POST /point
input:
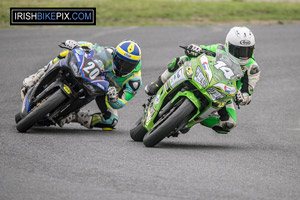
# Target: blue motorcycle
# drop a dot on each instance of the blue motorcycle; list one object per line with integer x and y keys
{"x": 70, "y": 84}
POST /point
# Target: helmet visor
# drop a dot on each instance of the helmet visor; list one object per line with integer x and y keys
{"x": 124, "y": 67}
{"x": 240, "y": 52}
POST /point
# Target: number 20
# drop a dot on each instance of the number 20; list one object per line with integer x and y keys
{"x": 94, "y": 70}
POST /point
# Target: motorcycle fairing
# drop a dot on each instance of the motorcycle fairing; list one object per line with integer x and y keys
{"x": 91, "y": 70}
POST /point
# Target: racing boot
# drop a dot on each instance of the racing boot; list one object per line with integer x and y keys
{"x": 83, "y": 118}
{"x": 70, "y": 118}
{"x": 106, "y": 122}
{"x": 225, "y": 125}
{"x": 33, "y": 79}
{"x": 152, "y": 88}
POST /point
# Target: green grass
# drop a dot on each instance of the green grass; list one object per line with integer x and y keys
{"x": 170, "y": 12}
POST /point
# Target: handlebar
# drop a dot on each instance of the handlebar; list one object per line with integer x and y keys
{"x": 207, "y": 52}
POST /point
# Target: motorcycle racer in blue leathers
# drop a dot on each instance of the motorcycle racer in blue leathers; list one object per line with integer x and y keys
{"x": 124, "y": 66}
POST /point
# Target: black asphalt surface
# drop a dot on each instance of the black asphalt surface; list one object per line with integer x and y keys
{"x": 259, "y": 159}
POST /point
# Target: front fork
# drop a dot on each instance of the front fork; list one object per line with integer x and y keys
{"x": 188, "y": 95}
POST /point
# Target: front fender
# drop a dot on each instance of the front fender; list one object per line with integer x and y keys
{"x": 189, "y": 95}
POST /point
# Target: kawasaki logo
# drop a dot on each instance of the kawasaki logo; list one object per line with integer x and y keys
{"x": 245, "y": 42}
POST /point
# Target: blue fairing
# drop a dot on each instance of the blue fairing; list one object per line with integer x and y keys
{"x": 100, "y": 81}
{"x": 91, "y": 54}
{"x": 101, "y": 84}
{"x": 27, "y": 106}
{"x": 79, "y": 55}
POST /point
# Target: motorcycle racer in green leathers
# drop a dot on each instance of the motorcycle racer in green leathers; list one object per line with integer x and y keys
{"x": 123, "y": 64}
{"x": 239, "y": 45}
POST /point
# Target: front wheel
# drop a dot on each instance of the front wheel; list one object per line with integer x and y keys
{"x": 153, "y": 137}
{"x": 138, "y": 132}
{"x": 40, "y": 111}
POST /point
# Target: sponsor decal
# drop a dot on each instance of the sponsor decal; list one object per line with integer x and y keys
{"x": 127, "y": 55}
{"x": 78, "y": 58}
{"x": 177, "y": 78}
{"x": 245, "y": 42}
{"x": 157, "y": 99}
{"x": 189, "y": 71}
{"x": 78, "y": 51}
{"x": 225, "y": 88}
{"x": 67, "y": 89}
{"x": 204, "y": 63}
{"x": 205, "y": 66}
{"x": 214, "y": 94}
{"x": 199, "y": 77}
{"x": 150, "y": 113}
{"x": 100, "y": 86}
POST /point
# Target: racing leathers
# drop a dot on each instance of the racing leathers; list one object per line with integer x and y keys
{"x": 122, "y": 89}
{"x": 226, "y": 119}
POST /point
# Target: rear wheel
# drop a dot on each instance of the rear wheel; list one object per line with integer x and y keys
{"x": 138, "y": 132}
{"x": 153, "y": 137}
{"x": 41, "y": 110}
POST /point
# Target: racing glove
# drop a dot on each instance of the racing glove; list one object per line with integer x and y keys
{"x": 71, "y": 44}
{"x": 112, "y": 94}
{"x": 243, "y": 98}
{"x": 193, "y": 50}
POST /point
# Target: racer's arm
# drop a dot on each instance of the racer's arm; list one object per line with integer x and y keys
{"x": 131, "y": 87}
{"x": 251, "y": 77}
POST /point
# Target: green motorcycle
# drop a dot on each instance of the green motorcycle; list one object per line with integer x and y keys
{"x": 196, "y": 91}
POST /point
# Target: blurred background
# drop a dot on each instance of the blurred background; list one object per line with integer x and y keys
{"x": 173, "y": 12}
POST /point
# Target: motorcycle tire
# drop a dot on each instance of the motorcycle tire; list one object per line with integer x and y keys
{"x": 18, "y": 117}
{"x": 158, "y": 134}
{"x": 138, "y": 132}
{"x": 41, "y": 111}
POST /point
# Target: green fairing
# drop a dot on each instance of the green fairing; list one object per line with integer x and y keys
{"x": 232, "y": 114}
{"x": 216, "y": 80}
{"x": 212, "y": 121}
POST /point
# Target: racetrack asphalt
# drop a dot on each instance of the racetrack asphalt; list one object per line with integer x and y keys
{"x": 259, "y": 159}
